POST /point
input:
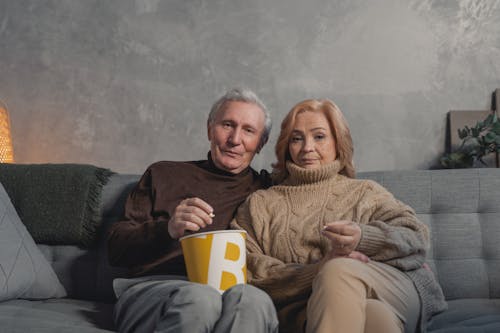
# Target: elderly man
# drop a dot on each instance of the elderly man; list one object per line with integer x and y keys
{"x": 173, "y": 198}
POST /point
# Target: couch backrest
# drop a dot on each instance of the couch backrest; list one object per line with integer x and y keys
{"x": 462, "y": 210}
{"x": 85, "y": 273}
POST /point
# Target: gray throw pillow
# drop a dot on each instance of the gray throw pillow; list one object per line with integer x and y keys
{"x": 24, "y": 271}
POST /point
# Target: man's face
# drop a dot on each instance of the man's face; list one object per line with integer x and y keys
{"x": 235, "y": 136}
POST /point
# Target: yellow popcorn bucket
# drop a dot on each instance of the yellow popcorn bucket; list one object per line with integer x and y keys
{"x": 216, "y": 258}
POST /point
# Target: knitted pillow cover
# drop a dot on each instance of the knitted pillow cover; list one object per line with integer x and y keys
{"x": 24, "y": 271}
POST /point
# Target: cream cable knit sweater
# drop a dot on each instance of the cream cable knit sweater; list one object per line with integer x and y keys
{"x": 286, "y": 248}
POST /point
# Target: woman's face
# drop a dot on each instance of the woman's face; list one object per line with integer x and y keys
{"x": 312, "y": 143}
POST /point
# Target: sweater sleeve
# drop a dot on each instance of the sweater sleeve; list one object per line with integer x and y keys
{"x": 141, "y": 236}
{"x": 284, "y": 282}
{"x": 391, "y": 232}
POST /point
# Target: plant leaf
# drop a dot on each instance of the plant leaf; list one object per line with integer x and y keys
{"x": 490, "y": 137}
{"x": 496, "y": 127}
{"x": 488, "y": 120}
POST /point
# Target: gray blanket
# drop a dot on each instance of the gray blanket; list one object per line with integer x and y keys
{"x": 58, "y": 203}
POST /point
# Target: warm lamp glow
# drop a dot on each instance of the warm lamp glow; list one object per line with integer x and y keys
{"x": 6, "y": 151}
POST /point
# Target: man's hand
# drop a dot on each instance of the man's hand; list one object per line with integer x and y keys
{"x": 344, "y": 237}
{"x": 191, "y": 214}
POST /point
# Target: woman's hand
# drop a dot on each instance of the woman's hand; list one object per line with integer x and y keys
{"x": 344, "y": 237}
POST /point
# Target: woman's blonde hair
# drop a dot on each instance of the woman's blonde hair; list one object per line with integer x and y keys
{"x": 340, "y": 132}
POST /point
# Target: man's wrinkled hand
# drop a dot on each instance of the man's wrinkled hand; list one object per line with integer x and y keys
{"x": 191, "y": 214}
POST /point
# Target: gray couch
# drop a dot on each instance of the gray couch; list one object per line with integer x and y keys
{"x": 461, "y": 207}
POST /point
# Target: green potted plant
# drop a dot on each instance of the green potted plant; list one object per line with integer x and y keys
{"x": 477, "y": 142}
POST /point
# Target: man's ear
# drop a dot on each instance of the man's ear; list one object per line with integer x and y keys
{"x": 261, "y": 145}
{"x": 209, "y": 130}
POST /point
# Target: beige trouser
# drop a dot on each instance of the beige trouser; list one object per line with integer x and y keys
{"x": 355, "y": 297}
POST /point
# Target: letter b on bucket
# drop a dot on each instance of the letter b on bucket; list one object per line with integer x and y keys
{"x": 216, "y": 258}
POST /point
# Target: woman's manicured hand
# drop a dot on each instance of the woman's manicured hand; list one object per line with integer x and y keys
{"x": 344, "y": 236}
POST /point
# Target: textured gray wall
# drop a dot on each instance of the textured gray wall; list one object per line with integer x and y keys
{"x": 124, "y": 83}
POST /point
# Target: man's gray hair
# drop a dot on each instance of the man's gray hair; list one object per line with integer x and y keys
{"x": 246, "y": 96}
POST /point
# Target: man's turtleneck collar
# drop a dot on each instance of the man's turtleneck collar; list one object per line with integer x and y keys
{"x": 301, "y": 176}
{"x": 213, "y": 168}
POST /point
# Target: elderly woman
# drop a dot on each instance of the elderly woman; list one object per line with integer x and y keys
{"x": 336, "y": 254}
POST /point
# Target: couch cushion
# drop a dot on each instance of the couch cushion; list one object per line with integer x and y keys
{"x": 462, "y": 210}
{"x": 24, "y": 271}
{"x": 55, "y": 315}
{"x": 114, "y": 195}
{"x": 86, "y": 273}
{"x": 468, "y": 316}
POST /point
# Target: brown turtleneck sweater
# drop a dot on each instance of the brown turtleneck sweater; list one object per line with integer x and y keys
{"x": 142, "y": 242}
